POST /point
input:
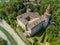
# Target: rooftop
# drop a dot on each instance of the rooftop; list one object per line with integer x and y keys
{"x": 31, "y": 19}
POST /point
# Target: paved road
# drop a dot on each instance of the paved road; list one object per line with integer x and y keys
{"x": 4, "y": 37}
{"x": 12, "y": 33}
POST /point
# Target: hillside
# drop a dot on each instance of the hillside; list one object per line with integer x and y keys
{"x": 9, "y": 11}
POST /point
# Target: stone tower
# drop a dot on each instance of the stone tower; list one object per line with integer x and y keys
{"x": 47, "y": 13}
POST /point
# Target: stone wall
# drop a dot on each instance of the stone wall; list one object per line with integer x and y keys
{"x": 21, "y": 24}
{"x": 46, "y": 22}
{"x": 36, "y": 29}
{"x": 39, "y": 26}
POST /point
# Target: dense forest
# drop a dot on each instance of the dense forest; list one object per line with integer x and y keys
{"x": 9, "y": 11}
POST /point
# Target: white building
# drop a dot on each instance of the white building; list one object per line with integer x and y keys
{"x": 33, "y": 22}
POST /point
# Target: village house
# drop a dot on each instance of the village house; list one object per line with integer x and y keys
{"x": 32, "y": 22}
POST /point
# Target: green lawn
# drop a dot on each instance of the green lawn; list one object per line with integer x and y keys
{"x": 8, "y": 36}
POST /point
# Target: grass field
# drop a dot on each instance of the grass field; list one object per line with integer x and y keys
{"x": 10, "y": 38}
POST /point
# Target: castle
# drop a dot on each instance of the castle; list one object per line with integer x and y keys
{"x": 32, "y": 22}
